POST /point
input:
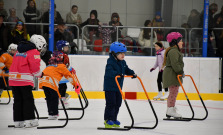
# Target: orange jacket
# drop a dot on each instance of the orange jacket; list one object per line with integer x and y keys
{"x": 56, "y": 72}
{"x": 5, "y": 60}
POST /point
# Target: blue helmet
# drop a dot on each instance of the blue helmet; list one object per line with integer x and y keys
{"x": 117, "y": 47}
{"x": 60, "y": 44}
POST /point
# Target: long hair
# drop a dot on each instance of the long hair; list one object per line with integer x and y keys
{"x": 165, "y": 55}
{"x": 23, "y": 29}
{"x": 147, "y": 32}
{"x": 115, "y": 15}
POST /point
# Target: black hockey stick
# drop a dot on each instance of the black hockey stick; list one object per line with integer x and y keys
{"x": 6, "y": 86}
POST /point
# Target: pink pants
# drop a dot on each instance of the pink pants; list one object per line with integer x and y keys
{"x": 172, "y": 95}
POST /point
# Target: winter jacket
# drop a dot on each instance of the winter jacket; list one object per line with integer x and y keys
{"x": 19, "y": 36}
{"x": 4, "y": 37}
{"x": 113, "y": 68}
{"x": 106, "y": 34}
{"x": 146, "y": 42}
{"x": 5, "y": 61}
{"x": 56, "y": 72}
{"x": 70, "y": 20}
{"x": 159, "y": 60}
{"x": 25, "y": 65}
{"x": 174, "y": 67}
{"x": 91, "y": 22}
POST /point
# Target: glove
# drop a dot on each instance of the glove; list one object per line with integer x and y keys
{"x": 42, "y": 75}
{"x": 161, "y": 70}
{"x": 73, "y": 71}
{"x": 134, "y": 76}
{"x": 183, "y": 75}
{"x": 77, "y": 90}
{"x": 152, "y": 69}
{"x": 121, "y": 75}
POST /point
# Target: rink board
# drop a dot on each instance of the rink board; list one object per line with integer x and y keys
{"x": 138, "y": 95}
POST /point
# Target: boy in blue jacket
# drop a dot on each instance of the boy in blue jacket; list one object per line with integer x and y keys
{"x": 116, "y": 65}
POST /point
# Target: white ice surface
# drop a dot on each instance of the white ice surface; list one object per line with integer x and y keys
{"x": 141, "y": 111}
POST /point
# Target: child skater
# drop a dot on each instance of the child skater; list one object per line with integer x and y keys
{"x": 173, "y": 60}
{"x": 56, "y": 69}
{"x": 63, "y": 50}
{"x": 25, "y": 66}
{"x": 5, "y": 63}
{"x": 159, "y": 63}
{"x": 116, "y": 65}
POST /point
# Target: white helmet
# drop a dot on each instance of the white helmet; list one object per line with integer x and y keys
{"x": 12, "y": 47}
{"x": 39, "y": 41}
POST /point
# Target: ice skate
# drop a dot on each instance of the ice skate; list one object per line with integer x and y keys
{"x": 19, "y": 124}
{"x": 171, "y": 112}
{"x": 116, "y": 123}
{"x": 66, "y": 104}
{"x": 160, "y": 94}
{"x": 108, "y": 123}
{"x": 31, "y": 123}
{"x": 67, "y": 96}
{"x": 165, "y": 96}
{"x": 53, "y": 117}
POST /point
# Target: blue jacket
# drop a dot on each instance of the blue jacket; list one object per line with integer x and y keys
{"x": 113, "y": 68}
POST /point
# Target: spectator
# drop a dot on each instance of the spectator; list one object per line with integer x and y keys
{"x": 106, "y": 33}
{"x": 145, "y": 38}
{"x": 3, "y": 11}
{"x": 62, "y": 33}
{"x": 32, "y": 15}
{"x": 115, "y": 21}
{"x": 12, "y": 17}
{"x": 218, "y": 19}
{"x": 74, "y": 18}
{"x": 194, "y": 18}
{"x": 45, "y": 19}
{"x": 158, "y": 22}
{"x": 93, "y": 20}
{"x": 4, "y": 34}
{"x": 213, "y": 8}
{"x": 44, "y": 7}
{"x": 19, "y": 33}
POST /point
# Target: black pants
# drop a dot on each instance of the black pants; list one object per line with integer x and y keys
{"x": 51, "y": 100}
{"x": 159, "y": 82}
{"x": 23, "y": 107}
{"x": 62, "y": 89}
{"x": 113, "y": 102}
{"x": 2, "y": 83}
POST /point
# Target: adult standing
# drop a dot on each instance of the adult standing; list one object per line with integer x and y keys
{"x": 4, "y": 35}
{"x": 173, "y": 60}
{"x": 3, "y": 11}
{"x": 32, "y": 15}
{"x": 115, "y": 21}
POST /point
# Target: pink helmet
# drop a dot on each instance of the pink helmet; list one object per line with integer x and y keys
{"x": 173, "y": 35}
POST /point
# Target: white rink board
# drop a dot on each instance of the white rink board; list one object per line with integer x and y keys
{"x": 90, "y": 71}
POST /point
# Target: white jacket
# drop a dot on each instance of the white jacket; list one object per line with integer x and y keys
{"x": 145, "y": 42}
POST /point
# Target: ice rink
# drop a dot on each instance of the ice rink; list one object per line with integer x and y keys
{"x": 140, "y": 109}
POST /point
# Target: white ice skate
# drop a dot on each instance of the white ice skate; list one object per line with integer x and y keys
{"x": 160, "y": 94}
{"x": 171, "y": 112}
{"x": 31, "y": 123}
{"x": 67, "y": 96}
{"x": 19, "y": 124}
{"x": 53, "y": 117}
{"x": 165, "y": 96}
{"x": 66, "y": 104}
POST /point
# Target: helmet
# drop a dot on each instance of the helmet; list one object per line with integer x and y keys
{"x": 12, "y": 47}
{"x": 39, "y": 41}
{"x": 60, "y": 44}
{"x": 173, "y": 35}
{"x": 117, "y": 47}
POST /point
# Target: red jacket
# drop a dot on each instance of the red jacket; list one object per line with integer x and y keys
{"x": 25, "y": 66}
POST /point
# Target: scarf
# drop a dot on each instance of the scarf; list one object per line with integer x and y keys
{"x": 73, "y": 16}
{"x": 159, "y": 51}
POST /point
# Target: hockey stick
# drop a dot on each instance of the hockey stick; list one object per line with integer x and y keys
{"x": 7, "y": 89}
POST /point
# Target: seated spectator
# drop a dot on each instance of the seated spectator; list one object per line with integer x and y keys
{"x": 115, "y": 21}
{"x": 3, "y": 11}
{"x": 62, "y": 33}
{"x": 158, "y": 22}
{"x": 4, "y": 35}
{"x": 12, "y": 17}
{"x": 32, "y": 15}
{"x": 93, "y": 20}
{"x": 74, "y": 18}
{"x": 145, "y": 39}
{"x": 194, "y": 18}
{"x": 19, "y": 33}
{"x": 106, "y": 33}
{"x": 45, "y": 19}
